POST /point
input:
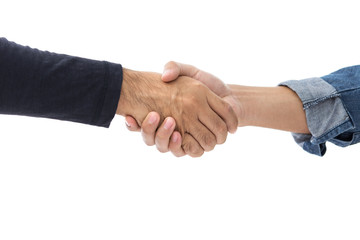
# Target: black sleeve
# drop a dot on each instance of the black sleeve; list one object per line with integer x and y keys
{"x": 44, "y": 84}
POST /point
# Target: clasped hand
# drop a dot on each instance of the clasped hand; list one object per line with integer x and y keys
{"x": 194, "y": 118}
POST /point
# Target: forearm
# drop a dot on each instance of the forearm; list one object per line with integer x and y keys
{"x": 270, "y": 107}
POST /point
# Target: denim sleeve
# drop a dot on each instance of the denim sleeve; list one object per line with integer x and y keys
{"x": 332, "y": 107}
{"x": 44, "y": 84}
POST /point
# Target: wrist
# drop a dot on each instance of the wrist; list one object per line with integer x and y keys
{"x": 123, "y": 100}
{"x": 141, "y": 93}
{"x": 240, "y": 107}
{"x": 270, "y": 107}
{"x": 254, "y": 103}
{"x": 135, "y": 93}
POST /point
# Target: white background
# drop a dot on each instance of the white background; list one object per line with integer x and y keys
{"x": 62, "y": 180}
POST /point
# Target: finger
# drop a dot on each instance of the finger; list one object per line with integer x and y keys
{"x": 191, "y": 146}
{"x": 215, "y": 124}
{"x": 131, "y": 124}
{"x": 163, "y": 134}
{"x": 224, "y": 110}
{"x": 175, "y": 144}
{"x": 173, "y": 70}
{"x": 203, "y": 136}
{"x": 148, "y": 128}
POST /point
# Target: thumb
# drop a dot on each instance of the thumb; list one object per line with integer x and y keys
{"x": 171, "y": 71}
{"x": 131, "y": 124}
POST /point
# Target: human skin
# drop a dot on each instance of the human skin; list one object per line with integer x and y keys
{"x": 202, "y": 118}
{"x": 270, "y": 107}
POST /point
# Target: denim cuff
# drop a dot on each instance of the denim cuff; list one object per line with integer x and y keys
{"x": 326, "y": 115}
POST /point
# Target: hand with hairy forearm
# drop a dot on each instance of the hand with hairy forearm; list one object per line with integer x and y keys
{"x": 202, "y": 118}
{"x": 271, "y": 107}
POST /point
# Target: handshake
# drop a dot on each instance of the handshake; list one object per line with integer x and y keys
{"x": 184, "y": 110}
{"x": 196, "y": 110}
{"x": 188, "y": 111}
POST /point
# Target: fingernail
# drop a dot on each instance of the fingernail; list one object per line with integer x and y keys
{"x": 174, "y": 138}
{"x": 166, "y": 72}
{"x": 127, "y": 124}
{"x": 152, "y": 119}
{"x": 168, "y": 124}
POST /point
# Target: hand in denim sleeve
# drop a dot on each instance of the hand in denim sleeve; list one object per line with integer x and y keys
{"x": 332, "y": 107}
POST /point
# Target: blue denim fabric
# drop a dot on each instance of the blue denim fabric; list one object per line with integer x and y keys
{"x": 332, "y": 107}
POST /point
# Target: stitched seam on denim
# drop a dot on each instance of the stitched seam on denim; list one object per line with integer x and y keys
{"x": 341, "y": 143}
{"x": 319, "y": 100}
{"x": 349, "y": 90}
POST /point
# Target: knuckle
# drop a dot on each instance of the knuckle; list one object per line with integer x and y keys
{"x": 162, "y": 149}
{"x": 175, "y": 148}
{"x": 192, "y": 149}
{"x": 197, "y": 88}
{"x": 189, "y": 101}
{"x": 148, "y": 130}
{"x": 162, "y": 134}
{"x": 186, "y": 146}
{"x": 209, "y": 148}
{"x": 162, "y": 146}
{"x": 228, "y": 108}
{"x": 221, "y": 128}
{"x": 198, "y": 84}
{"x": 198, "y": 153}
{"x": 148, "y": 139}
{"x": 198, "y": 74}
{"x": 149, "y": 143}
{"x": 232, "y": 119}
{"x": 209, "y": 142}
{"x": 222, "y": 139}
{"x": 177, "y": 153}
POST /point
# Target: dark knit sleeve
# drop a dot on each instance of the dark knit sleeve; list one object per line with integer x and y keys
{"x": 44, "y": 84}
